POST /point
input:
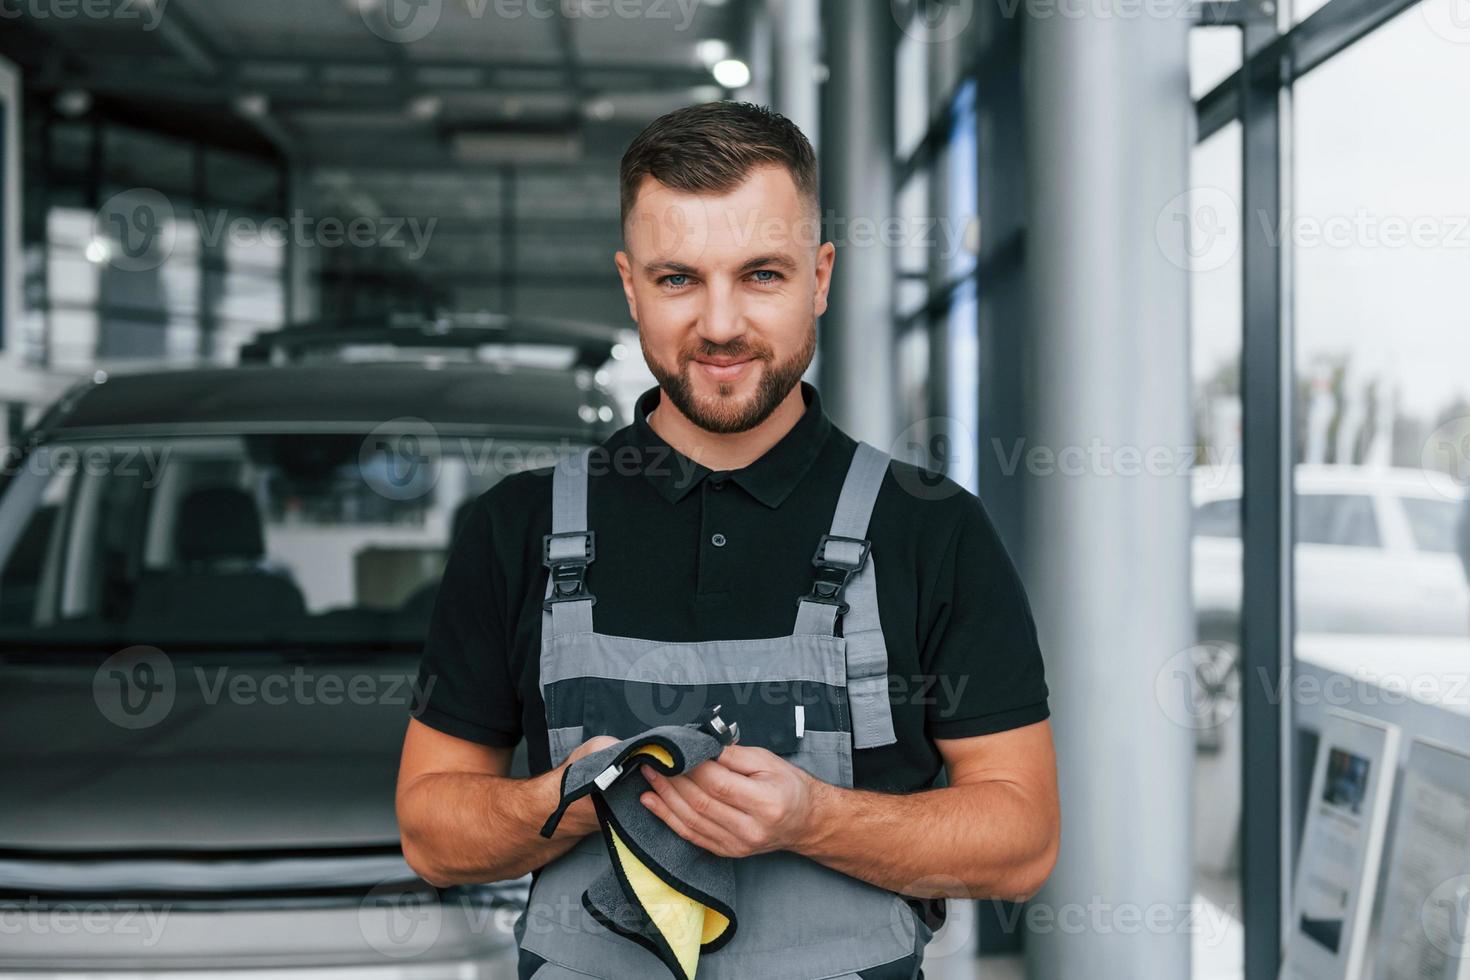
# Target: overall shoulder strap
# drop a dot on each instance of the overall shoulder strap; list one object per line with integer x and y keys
{"x": 568, "y": 550}
{"x": 846, "y": 585}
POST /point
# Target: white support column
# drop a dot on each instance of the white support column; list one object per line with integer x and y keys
{"x": 1106, "y": 557}
{"x": 857, "y": 172}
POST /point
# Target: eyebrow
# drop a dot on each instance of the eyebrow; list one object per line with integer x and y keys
{"x": 759, "y": 262}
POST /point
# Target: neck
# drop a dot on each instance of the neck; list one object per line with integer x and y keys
{"x": 725, "y": 450}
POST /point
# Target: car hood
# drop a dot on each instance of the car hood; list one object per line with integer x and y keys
{"x": 251, "y": 752}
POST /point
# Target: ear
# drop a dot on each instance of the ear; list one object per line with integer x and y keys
{"x": 625, "y": 272}
{"x": 826, "y": 257}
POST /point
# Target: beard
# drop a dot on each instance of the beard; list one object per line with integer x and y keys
{"x": 726, "y": 413}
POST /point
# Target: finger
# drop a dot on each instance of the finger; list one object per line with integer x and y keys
{"x": 748, "y": 759}
{"x": 660, "y": 809}
{"x": 700, "y": 811}
{"x": 729, "y": 786}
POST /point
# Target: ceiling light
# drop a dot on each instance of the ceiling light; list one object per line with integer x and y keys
{"x": 253, "y": 105}
{"x": 73, "y": 102}
{"x": 98, "y": 251}
{"x": 711, "y": 50}
{"x": 732, "y": 73}
{"x": 601, "y": 109}
{"x": 425, "y": 107}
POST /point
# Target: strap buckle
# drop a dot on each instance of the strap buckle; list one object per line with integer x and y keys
{"x": 568, "y": 571}
{"x": 833, "y": 574}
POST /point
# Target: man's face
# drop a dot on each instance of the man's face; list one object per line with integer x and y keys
{"x": 726, "y": 291}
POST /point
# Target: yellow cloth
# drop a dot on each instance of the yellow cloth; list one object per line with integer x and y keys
{"x": 686, "y": 924}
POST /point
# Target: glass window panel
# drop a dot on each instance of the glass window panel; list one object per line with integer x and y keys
{"x": 1336, "y": 519}
{"x": 1379, "y": 238}
{"x": 1218, "y": 519}
{"x": 912, "y": 97}
{"x": 1435, "y": 524}
{"x": 1211, "y": 253}
{"x": 1214, "y": 54}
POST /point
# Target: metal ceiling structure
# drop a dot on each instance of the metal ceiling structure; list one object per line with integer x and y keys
{"x": 500, "y": 120}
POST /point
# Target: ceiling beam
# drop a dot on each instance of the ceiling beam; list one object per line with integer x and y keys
{"x": 355, "y": 82}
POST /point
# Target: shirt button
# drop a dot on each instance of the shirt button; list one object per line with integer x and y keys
{"x": 718, "y": 540}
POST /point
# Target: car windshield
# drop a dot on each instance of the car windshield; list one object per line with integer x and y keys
{"x": 270, "y": 539}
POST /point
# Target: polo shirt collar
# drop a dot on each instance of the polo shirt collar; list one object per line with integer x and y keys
{"x": 768, "y": 479}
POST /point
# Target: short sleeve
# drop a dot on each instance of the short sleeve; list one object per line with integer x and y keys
{"x": 981, "y": 648}
{"x": 465, "y": 669}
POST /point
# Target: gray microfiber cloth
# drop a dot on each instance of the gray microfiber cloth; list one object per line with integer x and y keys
{"x": 670, "y": 896}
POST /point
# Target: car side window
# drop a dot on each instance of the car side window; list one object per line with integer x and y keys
{"x": 1433, "y": 523}
{"x": 1345, "y": 520}
{"x": 1218, "y": 519}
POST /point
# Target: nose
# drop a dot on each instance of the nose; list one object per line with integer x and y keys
{"x": 722, "y": 320}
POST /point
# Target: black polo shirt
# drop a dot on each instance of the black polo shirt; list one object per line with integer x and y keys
{"x": 686, "y": 554}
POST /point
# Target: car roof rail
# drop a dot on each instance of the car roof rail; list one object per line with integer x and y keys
{"x": 594, "y": 344}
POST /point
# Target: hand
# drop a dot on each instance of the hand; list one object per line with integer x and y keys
{"x": 746, "y": 801}
{"x": 580, "y": 818}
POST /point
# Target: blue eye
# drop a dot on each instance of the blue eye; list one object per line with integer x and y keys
{"x": 765, "y": 272}
{"x": 669, "y": 280}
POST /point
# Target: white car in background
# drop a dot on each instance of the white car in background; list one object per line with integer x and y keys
{"x": 1376, "y": 553}
{"x": 1379, "y": 585}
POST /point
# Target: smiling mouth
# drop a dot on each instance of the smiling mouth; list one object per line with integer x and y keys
{"x": 724, "y": 372}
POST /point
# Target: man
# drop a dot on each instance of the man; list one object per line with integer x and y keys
{"x": 706, "y": 511}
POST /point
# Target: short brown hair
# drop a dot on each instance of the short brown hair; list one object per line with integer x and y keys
{"x": 712, "y": 147}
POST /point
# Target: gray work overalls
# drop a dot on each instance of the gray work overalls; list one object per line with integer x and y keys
{"x": 812, "y": 697}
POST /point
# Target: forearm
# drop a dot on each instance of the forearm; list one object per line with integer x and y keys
{"x": 981, "y": 840}
{"x": 460, "y": 828}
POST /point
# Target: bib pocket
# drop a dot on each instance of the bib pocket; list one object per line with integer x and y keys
{"x": 774, "y": 715}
